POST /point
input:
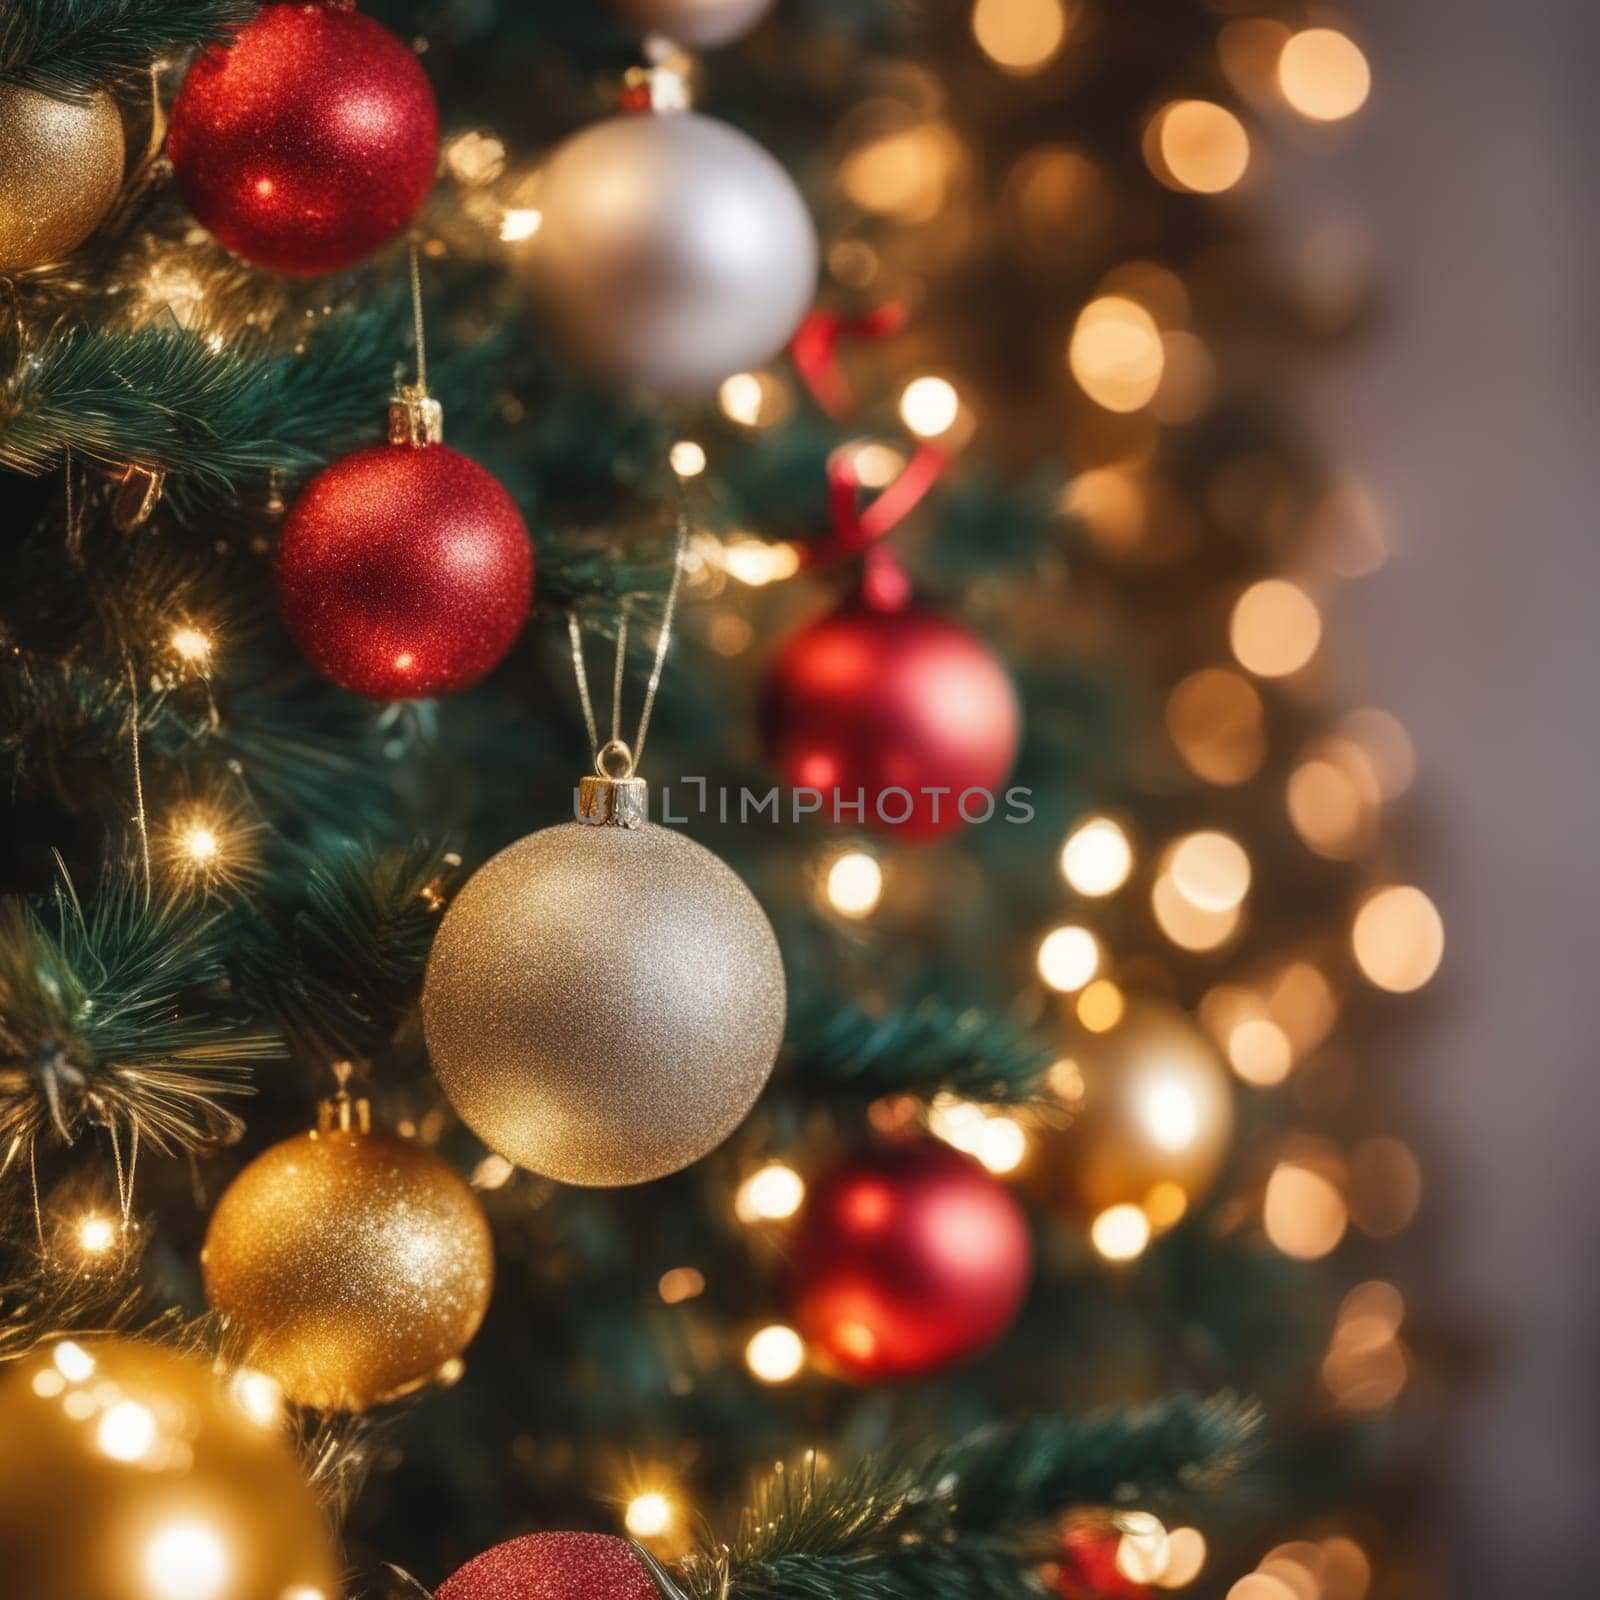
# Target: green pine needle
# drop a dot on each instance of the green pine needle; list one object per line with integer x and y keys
{"x": 68, "y": 48}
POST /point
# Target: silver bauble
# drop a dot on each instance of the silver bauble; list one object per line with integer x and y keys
{"x": 700, "y": 24}
{"x": 604, "y": 1004}
{"x": 674, "y": 251}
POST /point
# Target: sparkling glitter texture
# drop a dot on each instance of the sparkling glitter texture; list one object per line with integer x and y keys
{"x": 553, "y": 1566}
{"x": 867, "y": 701}
{"x": 60, "y": 169}
{"x": 604, "y": 1004}
{"x": 405, "y": 572}
{"x": 307, "y": 143}
{"x": 355, "y": 1264}
{"x": 127, "y": 1463}
{"x": 907, "y": 1259}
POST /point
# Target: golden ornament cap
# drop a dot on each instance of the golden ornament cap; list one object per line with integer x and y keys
{"x": 415, "y": 418}
{"x": 613, "y": 797}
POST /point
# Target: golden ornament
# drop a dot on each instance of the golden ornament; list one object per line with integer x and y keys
{"x": 129, "y": 1471}
{"x": 1151, "y": 1108}
{"x": 605, "y": 999}
{"x": 60, "y": 169}
{"x": 355, "y": 1264}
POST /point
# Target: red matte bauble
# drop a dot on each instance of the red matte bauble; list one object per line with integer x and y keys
{"x": 554, "y": 1566}
{"x": 907, "y": 1259}
{"x": 887, "y": 705}
{"x": 308, "y": 142}
{"x": 404, "y": 572}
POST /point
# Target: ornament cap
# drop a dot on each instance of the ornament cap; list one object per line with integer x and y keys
{"x": 344, "y": 1113}
{"x": 655, "y": 88}
{"x": 415, "y": 418}
{"x": 605, "y": 802}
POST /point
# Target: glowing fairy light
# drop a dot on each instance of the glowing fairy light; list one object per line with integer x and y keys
{"x": 1116, "y": 353}
{"x": 1068, "y": 958}
{"x": 854, "y": 884}
{"x": 259, "y": 1397}
{"x": 757, "y": 561}
{"x": 769, "y": 1195}
{"x": 775, "y": 1354}
{"x": 688, "y": 459}
{"x": 519, "y": 223}
{"x": 201, "y": 844}
{"x": 96, "y": 1235}
{"x": 649, "y": 1515}
{"x": 1398, "y": 938}
{"x": 127, "y": 1432}
{"x": 1097, "y": 858}
{"x": 73, "y": 1362}
{"x": 1324, "y": 75}
{"x": 191, "y": 646}
{"x": 186, "y": 1561}
{"x": 1120, "y": 1233}
{"x": 929, "y": 407}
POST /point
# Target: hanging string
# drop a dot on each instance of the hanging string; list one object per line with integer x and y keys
{"x": 617, "y": 749}
{"x": 33, "y": 1180}
{"x": 416, "y": 320}
{"x": 138, "y": 776}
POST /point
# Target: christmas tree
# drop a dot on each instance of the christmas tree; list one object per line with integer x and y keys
{"x": 688, "y": 914}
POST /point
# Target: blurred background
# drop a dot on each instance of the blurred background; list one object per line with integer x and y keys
{"x": 1469, "y": 419}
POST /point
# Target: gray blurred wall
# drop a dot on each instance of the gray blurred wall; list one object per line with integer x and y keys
{"x": 1472, "y": 416}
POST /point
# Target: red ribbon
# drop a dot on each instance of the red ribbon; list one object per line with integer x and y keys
{"x": 815, "y": 350}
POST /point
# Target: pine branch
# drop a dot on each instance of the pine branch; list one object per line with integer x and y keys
{"x": 213, "y": 419}
{"x": 966, "y": 1521}
{"x": 923, "y": 1048}
{"x": 69, "y": 48}
{"x": 341, "y": 964}
{"x": 112, "y": 1014}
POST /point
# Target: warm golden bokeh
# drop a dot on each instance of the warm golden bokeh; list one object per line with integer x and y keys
{"x": 1020, "y": 36}
{"x": 1324, "y": 75}
{"x": 1275, "y": 628}
{"x": 1215, "y": 719}
{"x": 1198, "y": 146}
{"x": 1097, "y": 858}
{"x": 1398, "y": 938}
{"x": 1116, "y": 353}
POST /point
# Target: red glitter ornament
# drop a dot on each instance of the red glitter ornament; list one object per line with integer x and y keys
{"x": 907, "y": 1259}
{"x": 309, "y": 141}
{"x": 405, "y": 571}
{"x": 899, "y": 709}
{"x": 554, "y": 1566}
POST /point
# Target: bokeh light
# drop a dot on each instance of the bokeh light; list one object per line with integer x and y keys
{"x": 1116, "y": 353}
{"x": 1275, "y": 628}
{"x": 1398, "y": 938}
{"x": 775, "y": 1354}
{"x": 649, "y": 1515}
{"x": 1020, "y": 36}
{"x": 1210, "y": 870}
{"x": 1120, "y": 1233}
{"x": 854, "y": 884}
{"x": 1097, "y": 858}
{"x": 929, "y": 406}
{"x": 771, "y": 1194}
{"x": 1215, "y": 720}
{"x": 1068, "y": 958}
{"x": 1303, "y": 1212}
{"x": 1198, "y": 146}
{"x": 1324, "y": 75}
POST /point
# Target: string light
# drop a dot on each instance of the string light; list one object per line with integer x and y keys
{"x": 259, "y": 1397}
{"x": 1186, "y": 1559}
{"x": 688, "y": 459}
{"x": 519, "y": 223}
{"x": 649, "y": 1515}
{"x": 127, "y": 1431}
{"x": 186, "y": 1561}
{"x": 772, "y": 1194}
{"x": 1101, "y": 1006}
{"x": 1216, "y": 720}
{"x": 96, "y": 1235}
{"x": 1068, "y": 958}
{"x": 775, "y": 1354}
{"x": 73, "y": 1362}
{"x": 753, "y": 399}
{"x": 1142, "y": 1550}
{"x": 191, "y": 646}
{"x": 1210, "y": 870}
{"x": 854, "y": 884}
{"x": 679, "y": 1284}
{"x": 757, "y": 562}
{"x": 929, "y": 407}
{"x": 1303, "y": 1212}
{"x": 1120, "y": 1233}
{"x": 1097, "y": 858}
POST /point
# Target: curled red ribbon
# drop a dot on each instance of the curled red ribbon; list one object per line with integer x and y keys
{"x": 815, "y": 351}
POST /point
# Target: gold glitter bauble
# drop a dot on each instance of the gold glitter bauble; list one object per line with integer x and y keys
{"x": 60, "y": 169}
{"x": 1151, "y": 1114}
{"x": 354, "y": 1263}
{"x": 129, "y": 1471}
{"x": 604, "y": 1004}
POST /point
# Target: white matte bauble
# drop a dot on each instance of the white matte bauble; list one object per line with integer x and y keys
{"x": 603, "y": 1004}
{"x": 700, "y": 24}
{"x": 674, "y": 251}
